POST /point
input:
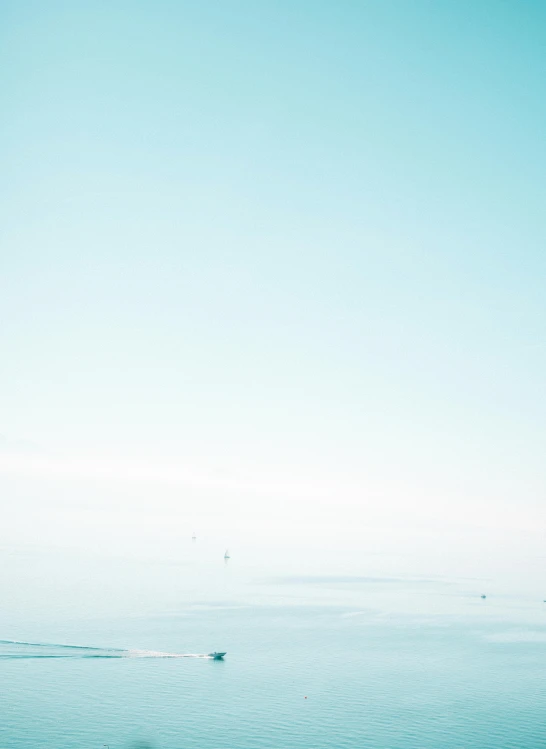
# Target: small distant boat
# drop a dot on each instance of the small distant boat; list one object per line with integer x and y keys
{"x": 226, "y": 555}
{"x": 484, "y": 596}
{"x": 193, "y": 537}
{"x": 217, "y": 656}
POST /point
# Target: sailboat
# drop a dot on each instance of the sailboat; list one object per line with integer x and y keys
{"x": 226, "y": 555}
{"x": 193, "y": 537}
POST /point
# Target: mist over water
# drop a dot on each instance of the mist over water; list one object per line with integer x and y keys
{"x": 272, "y": 274}
{"x": 327, "y": 643}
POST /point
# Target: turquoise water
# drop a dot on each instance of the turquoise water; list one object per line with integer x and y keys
{"x": 315, "y": 658}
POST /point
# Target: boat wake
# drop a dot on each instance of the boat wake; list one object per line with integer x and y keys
{"x": 14, "y": 649}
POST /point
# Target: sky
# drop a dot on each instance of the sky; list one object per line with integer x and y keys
{"x": 272, "y": 265}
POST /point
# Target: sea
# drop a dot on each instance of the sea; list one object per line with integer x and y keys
{"x": 332, "y": 646}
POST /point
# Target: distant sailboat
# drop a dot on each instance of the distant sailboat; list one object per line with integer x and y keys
{"x": 226, "y": 555}
{"x": 193, "y": 537}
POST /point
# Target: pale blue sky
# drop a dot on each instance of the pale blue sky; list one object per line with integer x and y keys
{"x": 294, "y": 246}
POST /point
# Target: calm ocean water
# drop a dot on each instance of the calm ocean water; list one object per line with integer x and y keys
{"x": 319, "y": 655}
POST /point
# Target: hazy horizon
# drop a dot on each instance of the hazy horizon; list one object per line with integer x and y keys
{"x": 273, "y": 269}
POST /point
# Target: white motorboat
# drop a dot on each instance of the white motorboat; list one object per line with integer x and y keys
{"x": 217, "y": 656}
